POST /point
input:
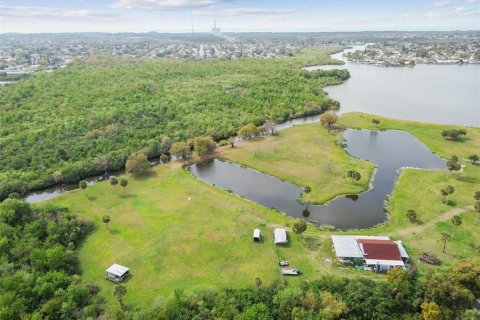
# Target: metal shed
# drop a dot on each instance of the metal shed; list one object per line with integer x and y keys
{"x": 116, "y": 273}
{"x": 279, "y": 236}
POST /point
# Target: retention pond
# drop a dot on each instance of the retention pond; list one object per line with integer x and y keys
{"x": 390, "y": 150}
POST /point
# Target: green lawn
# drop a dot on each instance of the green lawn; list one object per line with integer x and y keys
{"x": 176, "y": 232}
{"x": 169, "y": 241}
{"x": 307, "y": 155}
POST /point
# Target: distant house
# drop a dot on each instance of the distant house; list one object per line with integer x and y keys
{"x": 117, "y": 273}
{"x": 256, "y": 235}
{"x": 279, "y": 236}
{"x": 376, "y": 253}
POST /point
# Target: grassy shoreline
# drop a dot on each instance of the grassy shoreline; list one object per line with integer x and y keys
{"x": 294, "y": 155}
{"x": 175, "y": 231}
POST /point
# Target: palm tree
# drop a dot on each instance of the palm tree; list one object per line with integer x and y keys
{"x": 411, "y": 215}
{"x": 456, "y": 221}
{"x": 106, "y": 220}
{"x": 476, "y": 196}
{"x": 120, "y": 292}
{"x": 445, "y": 237}
{"x": 474, "y": 158}
{"x": 258, "y": 282}
{"x": 124, "y": 184}
{"x": 354, "y": 175}
{"x": 477, "y": 209}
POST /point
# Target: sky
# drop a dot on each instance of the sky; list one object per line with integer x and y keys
{"x": 34, "y": 16}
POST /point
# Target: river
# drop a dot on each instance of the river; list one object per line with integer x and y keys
{"x": 446, "y": 94}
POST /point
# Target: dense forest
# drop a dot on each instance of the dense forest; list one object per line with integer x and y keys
{"x": 402, "y": 296}
{"x": 54, "y": 127}
{"x": 39, "y": 267}
{"x": 39, "y": 280}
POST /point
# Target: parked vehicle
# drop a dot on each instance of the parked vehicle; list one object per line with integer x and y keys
{"x": 291, "y": 272}
{"x": 283, "y": 263}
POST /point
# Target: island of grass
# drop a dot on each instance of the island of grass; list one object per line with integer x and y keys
{"x": 175, "y": 232}
{"x": 307, "y": 155}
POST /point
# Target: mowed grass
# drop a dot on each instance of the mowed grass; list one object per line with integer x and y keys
{"x": 170, "y": 242}
{"x": 176, "y": 232}
{"x": 307, "y": 155}
{"x": 420, "y": 190}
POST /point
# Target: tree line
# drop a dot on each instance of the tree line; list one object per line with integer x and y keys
{"x": 401, "y": 296}
{"x": 39, "y": 269}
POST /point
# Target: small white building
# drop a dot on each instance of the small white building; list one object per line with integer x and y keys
{"x": 280, "y": 236}
{"x": 256, "y": 235}
{"x": 116, "y": 273}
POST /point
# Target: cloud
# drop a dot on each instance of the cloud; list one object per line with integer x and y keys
{"x": 25, "y": 12}
{"x": 165, "y": 4}
{"x": 245, "y": 11}
{"x": 462, "y": 10}
{"x": 442, "y": 3}
{"x": 473, "y": 1}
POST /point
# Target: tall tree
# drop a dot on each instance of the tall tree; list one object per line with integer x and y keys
{"x": 476, "y": 196}
{"x": 411, "y": 215}
{"x": 456, "y": 221}
{"x": 474, "y": 159}
{"x": 231, "y": 141}
{"x": 258, "y": 282}
{"x": 446, "y": 192}
{"x": 445, "y": 237}
{"x": 119, "y": 293}
{"x": 453, "y": 165}
{"x": 106, "y": 220}
{"x": 477, "y": 210}
{"x": 354, "y": 175}
{"x": 299, "y": 226}
{"x": 124, "y": 184}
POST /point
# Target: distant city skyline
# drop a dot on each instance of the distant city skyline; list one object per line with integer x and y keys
{"x": 32, "y": 16}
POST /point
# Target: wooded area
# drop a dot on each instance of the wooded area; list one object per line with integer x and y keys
{"x": 63, "y": 126}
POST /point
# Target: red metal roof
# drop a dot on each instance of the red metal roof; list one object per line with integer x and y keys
{"x": 380, "y": 249}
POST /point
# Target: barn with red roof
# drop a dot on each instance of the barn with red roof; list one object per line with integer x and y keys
{"x": 376, "y": 253}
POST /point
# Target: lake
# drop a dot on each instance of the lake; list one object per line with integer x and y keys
{"x": 390, "y": 150}
{"x": 447, "y": 94}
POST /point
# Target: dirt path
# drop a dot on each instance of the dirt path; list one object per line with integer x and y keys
{"x": 418, "y": 228}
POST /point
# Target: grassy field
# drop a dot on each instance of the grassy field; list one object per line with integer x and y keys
{"x": 176, "y": 232}
{"x": 307, "y": 155}
{"x": 420, "y": 190}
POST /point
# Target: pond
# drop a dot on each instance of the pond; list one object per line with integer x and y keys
{"x": 390, "y": 150}
{"x": 447, "y": 94}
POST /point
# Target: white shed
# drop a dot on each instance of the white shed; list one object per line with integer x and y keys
{"x": 279, "y": 236}
{"x": 256, "y": 235}
{"x": 116, "y": 273}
